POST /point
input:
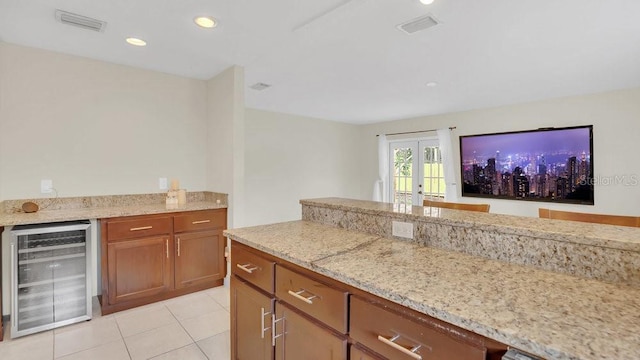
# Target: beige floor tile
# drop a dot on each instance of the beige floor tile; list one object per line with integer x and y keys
{"x": 77, "y": 338}
{"x": 207, "y": 325}
{"x": 157, "y": 341}
{"x": 192, "y": 305}
{"x": 190, "y": 352}
{"x": 220, "y": 294}
{"x": 111, "y": 351}
{"x": 30, "y": 347}
{"x": 216, "y": 347}
{"x": 144, "y": 319}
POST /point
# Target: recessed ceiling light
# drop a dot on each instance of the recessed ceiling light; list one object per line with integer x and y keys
{"x": 136, "y": 41}
{"x": 206, "y": 22}
{"x": 427, "y": 2}
{"x": 432, "y": 84}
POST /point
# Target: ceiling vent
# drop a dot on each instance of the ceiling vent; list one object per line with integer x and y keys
{"x": 80, "y": 21}
{"x": 259, "y": 86}
{"x": 419, "y": 24}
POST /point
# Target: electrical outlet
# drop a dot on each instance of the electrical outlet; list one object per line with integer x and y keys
{"x": 46, "y": 186}
{"x": 163, "y": 184}
{"x": 402, "y": 229}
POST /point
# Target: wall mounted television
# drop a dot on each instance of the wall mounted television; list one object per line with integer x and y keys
{"x": 547, "y": 164}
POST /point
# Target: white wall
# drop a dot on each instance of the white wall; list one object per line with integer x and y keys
{"x": 225, "y": 145}
{"x": 96, "y": 128}
{"x": 290, "y": 157}
{"x": 615, "y": 117}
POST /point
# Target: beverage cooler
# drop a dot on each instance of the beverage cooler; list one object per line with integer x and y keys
{"x": 50, "y": 280}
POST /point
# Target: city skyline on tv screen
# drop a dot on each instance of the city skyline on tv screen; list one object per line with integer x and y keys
{"x": 540, "y": 165}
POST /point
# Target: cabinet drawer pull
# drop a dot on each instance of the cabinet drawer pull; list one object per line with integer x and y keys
{"x": 248, "y": 267}
{"x": 200, "y": 222}
{"x": 274, "y": 321}
{"x": 302, "y": 298}
{"x": 141, "y": 228}
{"x": 391, "y": 342}
{"x": 262, "y": 328}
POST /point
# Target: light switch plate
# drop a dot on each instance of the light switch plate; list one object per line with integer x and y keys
{"x": 46, "y": 186}
{"x": 402, "y": 229}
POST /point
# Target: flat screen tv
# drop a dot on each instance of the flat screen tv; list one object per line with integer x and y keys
{"x": 548, "y": 164}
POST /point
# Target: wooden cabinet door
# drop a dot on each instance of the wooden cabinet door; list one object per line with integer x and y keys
{"x": 139, "y": 268}
{"x": 305, "y": 340}
{"x": 199, "y": 258}
{"x": 250, "y": 322}
{"x": 356, "y": 353}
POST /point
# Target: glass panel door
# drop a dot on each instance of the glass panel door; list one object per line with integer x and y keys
{"x": 403, "y": 169}
{"x": 432, "y": 176}
{"x": 416, "y": 172}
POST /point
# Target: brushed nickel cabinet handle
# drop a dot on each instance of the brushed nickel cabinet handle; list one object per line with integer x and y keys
{"x": 297, "y": 295}
{"x": 141, "y": 228}
{"x": 391, "y": 342}
{"x": 262, "y": 328}
{"x": 274, "y": 321}
{"x": 178, "y": 246}
{"x": 166, "y": 244}
{"x": 200, "y": 222}
{"x": 248, "y": 267}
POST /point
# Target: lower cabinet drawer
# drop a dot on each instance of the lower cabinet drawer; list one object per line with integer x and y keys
{"x": 138, "y": 227}
{"x": 322, "y": 302}
{"x": 300, "y": 339}
{"x": 200, "y": 220}
{"x": 252, "y": 268}
{"x": 396, "y": 337}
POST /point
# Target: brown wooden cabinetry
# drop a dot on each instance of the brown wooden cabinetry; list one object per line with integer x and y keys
{"x": 252, "y": 305}
{"x": 251, "y": 322}
{"x": 199, "y": 245}
{"x": 357, "y": 353}
{"x": 299, "y": 337}
{"x": 138, "y": 268}
{"x": 318, "y": 317}
{"x": 155, "y": 257}
{"x": 397, "y": 337}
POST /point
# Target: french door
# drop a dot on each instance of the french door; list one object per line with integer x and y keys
{"x": 416, "y": 171}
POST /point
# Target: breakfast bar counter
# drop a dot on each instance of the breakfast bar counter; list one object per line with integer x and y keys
{"x": 552, "y": 315}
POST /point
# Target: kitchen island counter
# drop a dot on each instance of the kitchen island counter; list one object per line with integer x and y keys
{"x": 556, "y": 316}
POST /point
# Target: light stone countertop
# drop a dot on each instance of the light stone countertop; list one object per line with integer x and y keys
{"x": 104, "y": 206}
{"x": 609, "y": 236}
{"x": 552, "y": 315}
{"x": 46, "y": 216}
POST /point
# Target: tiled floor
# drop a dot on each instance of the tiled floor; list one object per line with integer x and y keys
{"x": 194, "y": 326}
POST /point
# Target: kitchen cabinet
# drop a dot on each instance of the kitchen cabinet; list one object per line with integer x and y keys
{"x": 357, "y": 353}
{"x": 251, "y": 322}
{"x": 252, "y": 305}
{"x": 305, "y": 338}
{"x": 317, "y": 317}
{"x": 398, "y": 337}
{"x": 199, "y": 244}
{"x": 150, "y": 258}
{"x": 138, "y": 268}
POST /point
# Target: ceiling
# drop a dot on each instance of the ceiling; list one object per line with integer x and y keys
{"x": 345, "y": 60}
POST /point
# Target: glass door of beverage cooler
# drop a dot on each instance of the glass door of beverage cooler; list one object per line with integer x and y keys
{"x": 50, "y": 281}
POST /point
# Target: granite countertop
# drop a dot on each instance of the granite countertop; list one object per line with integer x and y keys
{"x": 99, "y": 207}
{"x": 609, "y": 236}
{"x": 552, "y": 315}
